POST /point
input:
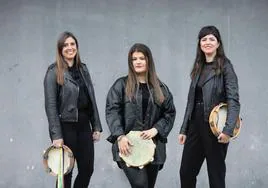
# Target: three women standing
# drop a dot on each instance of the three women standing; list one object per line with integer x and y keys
{"x": 141, "y": 102}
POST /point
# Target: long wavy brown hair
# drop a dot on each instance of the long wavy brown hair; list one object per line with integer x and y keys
{"x": 152, "y": 80}
{"x": 200, "y": 58}
{"x": 60, "y": 62}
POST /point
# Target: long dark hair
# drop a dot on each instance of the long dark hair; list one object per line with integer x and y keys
{"x": 200, "y": 58}
{"x": 151, "y": 76}
{"x": 60, "y": 62}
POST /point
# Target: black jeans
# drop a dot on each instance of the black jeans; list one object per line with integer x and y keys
{"x": 141, "y": 178}
{"x": 202, "y": 144}
{"x": 78, "y": 137}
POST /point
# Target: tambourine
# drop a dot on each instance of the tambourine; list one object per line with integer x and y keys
{"x": 56, "y": 158}
{"x": 217, "y": 120}
{"x": 142, "y": 151}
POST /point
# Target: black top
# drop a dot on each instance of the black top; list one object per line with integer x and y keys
{"x": 83, "y": 98}
{"x": 145, "y": 98}
{"x": 207, "y": 68}
{"x": 140, "y": 126}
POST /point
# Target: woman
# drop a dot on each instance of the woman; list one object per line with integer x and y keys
{"x": 71, "y": 108}
{"x": 140, "y": 102}
{"x": 213, "y": 81}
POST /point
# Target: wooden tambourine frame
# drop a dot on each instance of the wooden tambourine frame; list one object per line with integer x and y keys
{"x": 214, "y": 119}
{"x": 52, "y": 160}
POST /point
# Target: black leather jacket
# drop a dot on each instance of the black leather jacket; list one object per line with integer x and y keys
{"x": 122, "y": 114}
{"x": 216, "y": 89}
{"x": 61, "y": 101}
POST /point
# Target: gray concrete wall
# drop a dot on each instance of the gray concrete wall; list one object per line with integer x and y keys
{"x": 106, "y": 30}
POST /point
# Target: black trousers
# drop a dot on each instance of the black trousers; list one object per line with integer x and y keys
{"x": 201, "y": 144}
{"x": 141, "y": 178}
{"x": 78, "y": 137}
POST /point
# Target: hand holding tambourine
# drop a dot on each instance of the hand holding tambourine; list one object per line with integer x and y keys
{"x": 54, "y": 156}
{"x": 135, "y": 150}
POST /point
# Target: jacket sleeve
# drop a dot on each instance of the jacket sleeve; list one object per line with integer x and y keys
{"x": 184, "y": 127}
{"x": 51, "y": 93}
{"x": 168, "y": 114}
{"x": 114, "y": 110}
{"x": 94, "y": 118}
{"x": 232, "y": 98}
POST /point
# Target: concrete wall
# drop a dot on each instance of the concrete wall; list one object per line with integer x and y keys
{"x": 106, "y": 30}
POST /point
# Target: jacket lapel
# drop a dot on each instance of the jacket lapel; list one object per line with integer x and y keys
{"x": 68, "y": 76}
{"x": 210, "y": 76}
{"x": 150, "y": 107}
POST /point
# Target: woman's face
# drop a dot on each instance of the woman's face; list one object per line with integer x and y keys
{"x": 209, "y": 45}
{"x": 69, "y": 49}
{"x": 139, "y": 62}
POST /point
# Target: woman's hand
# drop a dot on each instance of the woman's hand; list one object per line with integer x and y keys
{"x": 223, "y": 138}
{"x": 182, "y": 139}
{"x": 58, "y": 143}
{"x": 148, "y": 134}
{"x": 124, "y": 145}
{"x": 96, "y": 136}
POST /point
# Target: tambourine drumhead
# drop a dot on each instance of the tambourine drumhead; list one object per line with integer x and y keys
{"x": 142, "y": 151}
{"x": 217, "y": 120}
{"x": 51, "y": 160}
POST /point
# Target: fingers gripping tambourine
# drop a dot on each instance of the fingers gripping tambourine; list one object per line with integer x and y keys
{"x": 56, "y": 158}
{"x": 142, "y": 151}
{"x": 217, "y": 120}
